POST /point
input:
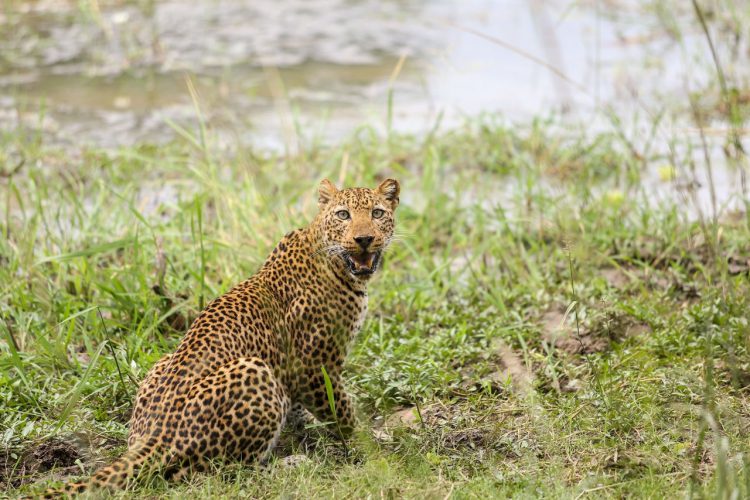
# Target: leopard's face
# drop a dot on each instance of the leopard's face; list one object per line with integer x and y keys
{"x": 357, "y": 224}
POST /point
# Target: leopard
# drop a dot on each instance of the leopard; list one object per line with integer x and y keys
{"x": 269, "y": 351}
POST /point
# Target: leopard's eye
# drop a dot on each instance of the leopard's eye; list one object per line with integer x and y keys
{"x": 378, "y": 213}
{"x": 343, "y": 215}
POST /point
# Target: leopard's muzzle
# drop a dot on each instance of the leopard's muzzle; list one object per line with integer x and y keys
{"x": 362, "y": 263}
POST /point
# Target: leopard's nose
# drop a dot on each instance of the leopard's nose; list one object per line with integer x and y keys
{"x": 364, "y": 241}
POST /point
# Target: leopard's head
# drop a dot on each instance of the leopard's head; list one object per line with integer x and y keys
{"x": 356, "y": 224}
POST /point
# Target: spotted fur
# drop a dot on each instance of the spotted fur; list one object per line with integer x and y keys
{"x": 253, "y": 357}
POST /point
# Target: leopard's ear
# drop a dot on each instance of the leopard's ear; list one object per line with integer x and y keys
{"x": 326, "y": 192}
{"x": 390, "y": 190}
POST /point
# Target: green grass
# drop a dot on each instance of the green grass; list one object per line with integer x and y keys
{"x": 108, "y": 255}
{"x": 542, "y": 327}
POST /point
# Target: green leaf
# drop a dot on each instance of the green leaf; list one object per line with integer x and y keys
{"x": 329, "y": 391}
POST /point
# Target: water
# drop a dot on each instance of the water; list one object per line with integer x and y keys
{"x": 110, "y": 76}
{"x": 275, "y": 73}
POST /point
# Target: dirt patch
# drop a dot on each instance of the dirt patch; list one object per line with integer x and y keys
{"x": 55, "y": 453}
{"x": 592, "y": 336}
{"x": 738, "y": 265}
{"x": 407, "y": 417}
{"x": 617, "y": 326}
{"x": 467, "y": 438}
{"x": 473, "y": 381}
{"x": 615, "y": 277}
{"x": 558, "y": 331}
{"x": 49, "y": 454}
{"x": 507, "y": 371}
{"x": 596, "y": 334}
{"x": 514, "y": 367}
{"x": 583, "y": 344}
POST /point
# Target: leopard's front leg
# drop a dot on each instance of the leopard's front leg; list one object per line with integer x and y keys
{"x": 314, "y": 397}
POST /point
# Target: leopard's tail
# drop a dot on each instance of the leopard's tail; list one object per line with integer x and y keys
{"x": 113, "y": 476}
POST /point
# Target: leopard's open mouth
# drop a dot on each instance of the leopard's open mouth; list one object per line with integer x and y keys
{"x": 362, "y": 264}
